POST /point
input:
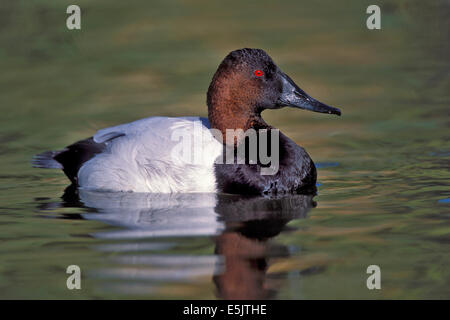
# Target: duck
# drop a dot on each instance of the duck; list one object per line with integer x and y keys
{"x": 148, "y": 155}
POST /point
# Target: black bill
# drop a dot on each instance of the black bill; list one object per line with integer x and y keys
{"x": 293, "y": 96}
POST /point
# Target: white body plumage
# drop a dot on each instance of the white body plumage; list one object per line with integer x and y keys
{"x": 146, "y": 156}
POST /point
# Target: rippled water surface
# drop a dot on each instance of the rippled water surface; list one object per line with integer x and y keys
{"x": 383, "y": 167}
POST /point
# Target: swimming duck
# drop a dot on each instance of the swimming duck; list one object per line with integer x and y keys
{"x": 139, "y": 156}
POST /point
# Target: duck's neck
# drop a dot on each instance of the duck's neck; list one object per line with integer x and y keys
{"x": 231, "y": 105}
{"x": 230, "y": 115}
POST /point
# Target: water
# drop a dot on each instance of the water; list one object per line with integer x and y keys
{"x": 383, "y": 167}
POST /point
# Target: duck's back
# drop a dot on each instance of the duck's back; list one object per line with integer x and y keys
{"x": 156, "y": 154}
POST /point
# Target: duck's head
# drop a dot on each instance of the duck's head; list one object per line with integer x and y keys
{"x": 248, "y": 82}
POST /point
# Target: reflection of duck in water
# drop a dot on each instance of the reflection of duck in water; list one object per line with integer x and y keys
{"x": 242, "y": 228}
{"x": 245, "y": 243}
{"x": 153, "y": 215}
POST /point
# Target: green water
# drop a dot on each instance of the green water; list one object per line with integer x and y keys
{"x": 383, "y": 167}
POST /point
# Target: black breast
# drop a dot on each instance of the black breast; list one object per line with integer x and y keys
{"x": 296, "y": 173}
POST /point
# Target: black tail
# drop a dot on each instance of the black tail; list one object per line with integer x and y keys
{"x": 70, "y": 159}
{"x": 46, "y": 160}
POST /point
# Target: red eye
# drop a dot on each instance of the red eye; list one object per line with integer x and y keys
{"x": 258, "y": 73}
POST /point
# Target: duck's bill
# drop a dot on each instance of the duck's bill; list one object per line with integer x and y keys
{"x": 293, "y": 96}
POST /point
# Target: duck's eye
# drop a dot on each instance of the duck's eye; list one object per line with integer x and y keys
{"x": 258, "y": 73}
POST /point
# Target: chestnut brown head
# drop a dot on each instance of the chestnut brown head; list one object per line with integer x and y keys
{"x": 247, "y": 82}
